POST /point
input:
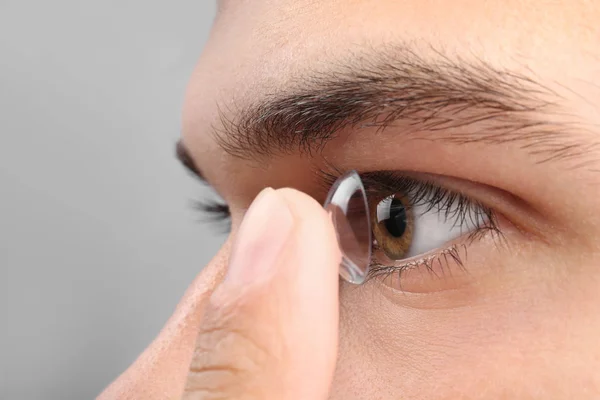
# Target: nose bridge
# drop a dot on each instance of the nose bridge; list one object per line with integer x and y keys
{"x": 220, "y": 260}
{"x": 210, "y": 275}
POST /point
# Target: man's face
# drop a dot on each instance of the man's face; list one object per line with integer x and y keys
{"x": 482, "y": 120}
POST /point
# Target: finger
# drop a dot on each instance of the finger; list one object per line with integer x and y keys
{"x": 161, "y": 370}
{"x": 270, "y": 329}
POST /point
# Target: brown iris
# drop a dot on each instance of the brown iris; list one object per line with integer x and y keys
{"x": 392, "y": 222}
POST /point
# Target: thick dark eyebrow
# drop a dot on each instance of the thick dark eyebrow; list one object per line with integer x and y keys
{"x": 438, "y": 98}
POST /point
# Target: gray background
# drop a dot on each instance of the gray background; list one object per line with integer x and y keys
{"x": 97, "y": 239}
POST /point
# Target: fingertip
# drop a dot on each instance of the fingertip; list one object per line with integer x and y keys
{"x": 301, "y": 204}
{"x": 316, "y": 236}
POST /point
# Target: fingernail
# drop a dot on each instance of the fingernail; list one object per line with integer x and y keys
{"x": 262, "y": 235}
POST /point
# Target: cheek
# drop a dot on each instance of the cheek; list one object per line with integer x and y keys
{"x": 536, "y": 342}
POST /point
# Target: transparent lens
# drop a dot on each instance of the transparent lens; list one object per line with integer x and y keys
{"x": 347, "y": 204}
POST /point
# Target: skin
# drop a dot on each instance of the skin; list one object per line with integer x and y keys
{"x": 522, "y": 320}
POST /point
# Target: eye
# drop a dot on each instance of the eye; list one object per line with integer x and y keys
{"x": 406, "y": 225}
{"x": 419, "y": 224}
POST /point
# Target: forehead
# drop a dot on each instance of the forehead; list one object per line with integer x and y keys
{"x": 258, "y": 47}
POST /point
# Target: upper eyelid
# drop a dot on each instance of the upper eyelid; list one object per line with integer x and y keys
{"x": 385, "y": 183}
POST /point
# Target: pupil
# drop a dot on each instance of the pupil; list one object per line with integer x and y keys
{"x": 396, "y": 223}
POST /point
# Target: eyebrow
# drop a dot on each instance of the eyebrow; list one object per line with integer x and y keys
{"x": 438, "y": 98}
{"x": 184, "y": 156}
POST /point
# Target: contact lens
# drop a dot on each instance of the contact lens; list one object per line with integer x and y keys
{"x": 347, "y": 204}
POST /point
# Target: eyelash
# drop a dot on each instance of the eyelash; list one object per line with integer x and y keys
{"x": 382, "y": 184}
{"x": 216, "y": 212}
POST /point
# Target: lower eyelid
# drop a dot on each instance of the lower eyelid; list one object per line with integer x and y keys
{"x": 437, "y": 270}
{"x": 439, "y": 275}
{"x": 419, "y": 291}
{"x": 448, "y": 285}
{"x": 382, "y": 264}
